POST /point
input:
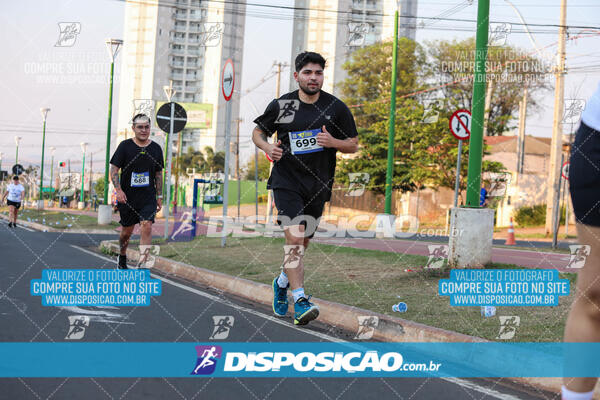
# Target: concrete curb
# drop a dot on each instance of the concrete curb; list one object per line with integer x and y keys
{"x": 389, "y": 329}
{"x": 45, "y": 228}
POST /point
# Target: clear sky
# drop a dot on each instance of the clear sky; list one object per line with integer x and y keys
{"x": 73, "y": 81}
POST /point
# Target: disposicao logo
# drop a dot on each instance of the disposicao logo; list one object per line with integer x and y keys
{"x": 207, "y": 359}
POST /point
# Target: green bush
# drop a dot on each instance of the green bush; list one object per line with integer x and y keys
{"x": 535, "y": 215}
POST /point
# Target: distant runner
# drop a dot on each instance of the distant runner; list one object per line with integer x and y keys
{"x": 139, "y": 187}
{"x": 15, "y": 193}
{"x": 311, "y": 126}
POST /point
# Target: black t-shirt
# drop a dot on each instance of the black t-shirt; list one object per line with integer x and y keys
{"x": 139, "y": 166}
{"x": 303, "y": 162}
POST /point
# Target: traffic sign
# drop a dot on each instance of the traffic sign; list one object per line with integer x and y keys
{"x": 171, "y": 113}
{"x": 565, "y": 170}
{"x": 17, "y": 169}
{"x": 460, "y": 124}
{"x": 228, "y": 79}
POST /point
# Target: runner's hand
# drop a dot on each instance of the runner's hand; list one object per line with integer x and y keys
{"x": 274, "y": 151}
{"x": 325, "y": 139}
{"x": 158, "y": 204}
{"x": 121, "y": 198}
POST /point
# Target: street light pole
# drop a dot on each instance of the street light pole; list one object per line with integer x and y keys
{"x": 105, "y": 210}
{"x": 392, "y": 121}
{"x": 112, "y": 45}
{"x": 17, "y": 140}
{"x": 44, "y": 115}
{"x": 52, "y": 149}
{"x": 81, "y": 195}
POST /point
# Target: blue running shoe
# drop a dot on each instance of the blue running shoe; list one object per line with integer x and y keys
{"x": 305, "y": 311}
{"x": 280, "y": 301}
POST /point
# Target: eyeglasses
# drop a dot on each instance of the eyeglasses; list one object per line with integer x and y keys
{"x": 143, "y": 126}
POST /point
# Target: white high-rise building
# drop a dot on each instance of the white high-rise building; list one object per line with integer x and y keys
{"x": 336, "y": 28}
{"x": 185, "y": 42}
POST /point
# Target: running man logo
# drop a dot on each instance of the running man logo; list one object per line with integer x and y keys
{"x": 366, "y": 326}
{"x": 357, "y": 183}
{"x": 207, "y": 359}
{"x": 573, "y": 110}
{"x": 431, "y": 111}
{"x": 143, "y": 106}
{"x": 68, "y": 33}
{"x": 77, "y": 325}
{"x": 579, "y": 253}
{"x": 223, "y": 323}
{"x": 287, "y": 111}
{"x": 185, "y": 225}
{"x": 438, "y": 254}
{"x": 212, "y": 34}
{"x": 508, "y": 326}
{"x": 357, "y": 34}
{"x": 499, "y": 182}
{"x": 148, "y": 255}
{"x": 498, "y": 33}
{"x": 292, "y": 255}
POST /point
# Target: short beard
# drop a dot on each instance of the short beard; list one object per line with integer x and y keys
{"x": 309, "y": 92}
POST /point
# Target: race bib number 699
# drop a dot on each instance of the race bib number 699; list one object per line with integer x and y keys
{"x": 303, "y": 142}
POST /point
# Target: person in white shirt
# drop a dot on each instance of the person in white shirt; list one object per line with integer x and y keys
{"x": 15, "y": 193}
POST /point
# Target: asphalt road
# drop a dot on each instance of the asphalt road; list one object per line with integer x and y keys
{"x": 183, "y": 313}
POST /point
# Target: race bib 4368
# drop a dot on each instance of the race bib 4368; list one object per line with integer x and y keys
{"x": 303, "y": 142}
{"x": 140, "y": 179}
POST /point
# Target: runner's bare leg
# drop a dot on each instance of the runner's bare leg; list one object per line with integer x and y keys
{"x": 583, "y": 323}
{"x": 126, "y": 232}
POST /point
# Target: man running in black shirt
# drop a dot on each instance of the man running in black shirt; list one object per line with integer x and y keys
{"x": 139, "y": 189}
{"x": 311, "y": 126}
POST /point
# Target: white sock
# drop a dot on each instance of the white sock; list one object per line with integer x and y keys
{"x": 570, "y": 395}
{"x": 282, "y": 281}
{"x": 297, "y": 293}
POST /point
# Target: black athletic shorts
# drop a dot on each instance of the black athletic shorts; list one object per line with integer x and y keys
{"x": 131, "y": 216}
{"x": 295, "y": 208}
{"x": 584, "y": 175}
{"x": 16, "y": 204}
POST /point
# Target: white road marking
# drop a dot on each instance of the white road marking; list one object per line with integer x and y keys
{"x": 456, "y": 381}
{"x": 481, "y": 389}
{"x": 220, "y": 300}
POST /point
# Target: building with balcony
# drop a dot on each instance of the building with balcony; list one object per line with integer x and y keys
{"x": 336, "y": 28}
{"x": 184, "y": 43}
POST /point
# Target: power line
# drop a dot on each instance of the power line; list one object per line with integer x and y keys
{"x": 348, "y": 13}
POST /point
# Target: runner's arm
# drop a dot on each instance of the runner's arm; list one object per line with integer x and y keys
{"x": 114, "y": 176}
{"x": 349, "y": 145}
{"x": 260, "y": 140}
{"x": 159, "y": 183}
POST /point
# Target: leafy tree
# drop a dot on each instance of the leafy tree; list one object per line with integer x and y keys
{"x": 508, "y": 70}
{"x": 99, "y": 187}
{"x": 425, "y": 153}
{"x": 215, "y": 162}
{"x": 263, "y": 168}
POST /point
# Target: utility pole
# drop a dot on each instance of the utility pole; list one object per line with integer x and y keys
{"x": 521, "y": 139}
{"x": 91, "y": 175}
{"x": 237, "y": 164}
{"x": 556, "y": 146}
{"x": 279, "y": 65}
{"x": 488, "y": 106}
{"x": 177, "y": 166}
